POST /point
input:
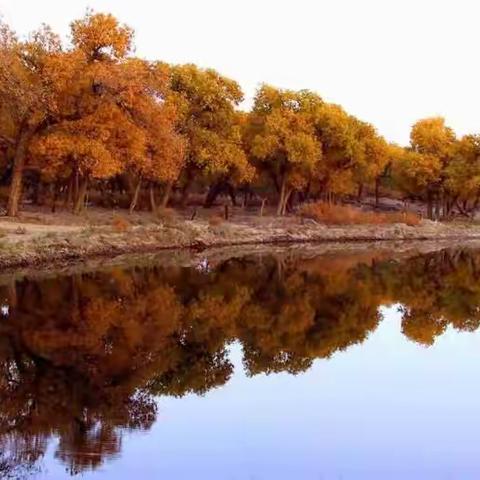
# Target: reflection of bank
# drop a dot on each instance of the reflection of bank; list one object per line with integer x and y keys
{"x": 82, "y": 357}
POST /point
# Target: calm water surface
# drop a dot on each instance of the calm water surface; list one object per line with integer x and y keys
{"x": 353, "y": 366}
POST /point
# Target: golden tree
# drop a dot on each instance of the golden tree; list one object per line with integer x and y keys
{"x": 207, "y": 117}
{"x": 31, "y": 78}
{"x": 283, "y": 141}
{"x": 115, "y": 118}
{"x": 435, "y": 142}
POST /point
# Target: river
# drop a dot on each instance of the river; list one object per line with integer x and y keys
{"x": 341, "y": 364}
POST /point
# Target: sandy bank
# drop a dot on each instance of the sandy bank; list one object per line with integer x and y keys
{"x": 27, "y": 245}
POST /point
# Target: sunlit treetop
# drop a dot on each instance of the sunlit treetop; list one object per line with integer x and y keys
{"x": 101, "y": 36}
{"x": 206, "y": 103}
{"x": 432, "y": 136}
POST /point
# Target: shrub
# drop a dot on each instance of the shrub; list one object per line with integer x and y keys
{"x": 20, "y": 230}
{"x": 347, "y": 215}
{"x": 120, "y": 224}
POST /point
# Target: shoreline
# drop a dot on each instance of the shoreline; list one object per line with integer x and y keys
{"x": 34, "y": 246}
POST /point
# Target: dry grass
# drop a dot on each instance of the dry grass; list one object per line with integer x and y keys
{"x": 166, "y": 215}
{"x": 120, "y": 224}
{"x": 215, "y": 220}
{"x": 348, "y": 215}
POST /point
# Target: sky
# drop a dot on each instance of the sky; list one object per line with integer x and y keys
{"x": 389, "y": 62}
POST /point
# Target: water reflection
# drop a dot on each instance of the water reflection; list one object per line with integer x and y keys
{"x": 83, "y": 358}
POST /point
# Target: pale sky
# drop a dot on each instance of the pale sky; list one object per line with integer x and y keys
{"x": 389, "y": 62}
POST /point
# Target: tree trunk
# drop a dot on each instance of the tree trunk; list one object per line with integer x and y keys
{"x": 264, "y": 200}
{"x": 429, "y": 206}
{"x": 377, "y": 192}
{"x": 56, "y": 194}
{"x": 461, "y": 209}
{"x": 186, "y": 189}
{"x": 246, "y": 192}
{"x": 285, "y": 201}
{"x": 17, "y": 173}
{"x": 153, "y": 204}
{"x": 438, "y": 212}
{"x": 69, "y": 191}
{"x": 134, "y": 201}
{"x": 360, "y": 192}
{"x": 213, "y": 191}
{"x": 166, "y": 195}
{"x": 281, "y": 200}
{"x": 37, "y": 192}
{"x": 288, "y": 202}
{"x": 475, "y": 205}
{"x": 76, "y": 185}
{"x": 232, "y": 194}
{"x": 80, "y": 200}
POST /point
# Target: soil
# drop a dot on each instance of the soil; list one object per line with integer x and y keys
{"x": 41, "y": 239}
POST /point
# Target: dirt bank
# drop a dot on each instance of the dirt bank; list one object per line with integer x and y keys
{"x": 25, "y": 244}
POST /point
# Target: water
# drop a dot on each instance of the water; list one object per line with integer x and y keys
{"x": 336, "y": 366}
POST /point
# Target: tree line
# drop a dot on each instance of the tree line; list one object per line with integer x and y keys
{"x": 88, "y": 116}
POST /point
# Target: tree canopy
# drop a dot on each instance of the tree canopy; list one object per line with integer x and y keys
{"x": 88, "y": 114}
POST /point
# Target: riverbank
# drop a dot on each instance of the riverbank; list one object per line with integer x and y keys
{"x": 34, "y": 242}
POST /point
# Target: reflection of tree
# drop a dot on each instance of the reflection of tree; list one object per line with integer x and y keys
{"x": 82, "y": 357}
{"x": 19, "y": 454}
{"x": 304, "y": 314}
{"x": 435, "y": 291}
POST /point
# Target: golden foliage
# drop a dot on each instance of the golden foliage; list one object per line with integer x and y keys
{"x": 88, "y": 111}
{"x": 205, "y": 103}
{"x": 100, "y": 35}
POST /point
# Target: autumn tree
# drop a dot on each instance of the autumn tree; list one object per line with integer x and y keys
{"x": 432, "y": 146}
{"x": 44, "y": 87}
{"x": 463, "y": 176}
{"x": 31, "y": 79}
{"x": 118, "y": 119}
{"x": 283, "y": 143}
{"x": 373, "y": 161}
{"x": 207, "y": 117}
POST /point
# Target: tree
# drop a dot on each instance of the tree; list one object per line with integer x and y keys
{"x": 415, "y": 173}
{"x": 283, "y": 143}
{"x": 42, "y": 86}
{"x": 342, "y": 148}
{"x": 432, "y": 139}
{"x": 207, "y": 118}
{"x": 463, "y": 176}
{"x": 30, "y": 82}
{"x": 371, "y": 164}
{"x": 115, "y": 116}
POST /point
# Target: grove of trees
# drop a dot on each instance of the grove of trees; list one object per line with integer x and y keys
{"x": 89, "y": 119}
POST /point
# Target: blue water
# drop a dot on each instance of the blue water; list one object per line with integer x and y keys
{"x": 387, "y": 408}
